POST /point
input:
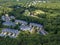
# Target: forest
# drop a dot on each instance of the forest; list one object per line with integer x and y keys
{"x": 50, "y": 19}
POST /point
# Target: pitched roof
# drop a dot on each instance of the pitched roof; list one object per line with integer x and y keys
{"x": 24, "y": 28}
{"x": 35, "y": 24}
{"x": 9, "y": 23}
{"x": 20, "y": 21}
{"x": 10, "y": 30}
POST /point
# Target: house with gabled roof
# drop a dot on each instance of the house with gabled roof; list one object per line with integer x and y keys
{"x": 8, "y": 23}
{"x": 9, "y": 32}
{"x": 25, "y": 28}
{"x": 21, "y": 22}
{"x": 5, "y": 17}
{"x": 35, "y": 24}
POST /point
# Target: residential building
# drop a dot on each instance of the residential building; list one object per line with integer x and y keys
{"x": 35, "y": 25}
{"x": 9, "y": 32}
{"x": 21, "y": 22}
{"x": 9, "y": 23}
{"x": 25, "y": 28}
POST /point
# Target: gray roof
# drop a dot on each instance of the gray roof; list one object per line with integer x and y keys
{"x": 2, "y": 35}
{"x": 13, "y": 31}
{"x": 8, "y": 23}
{"x": 12, "y": 17}
{"x": 24, "y": 28}
{"x": 3, "y": 18}
{"x": 35, "y": 24}
{"x": 7, "y": 18}
{"x": 43, "y": 32}
{"x": 20, "y": 21}
{"x": 10, "y": 30}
